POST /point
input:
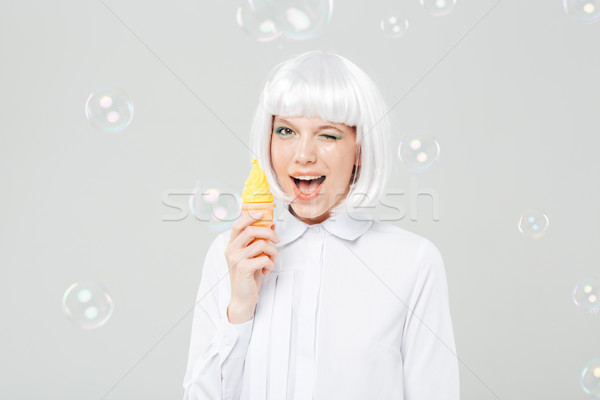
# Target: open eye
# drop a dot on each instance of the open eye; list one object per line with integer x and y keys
{"x": 282, "y": 131}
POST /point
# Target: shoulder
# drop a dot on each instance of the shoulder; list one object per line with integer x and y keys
{"x": 416, "y": 256}
{"x": 402, "y": 240}
{"x": 216, "y": 250}
{"x": 219, "y": 241}
{"x": 223, "y": 237}
{"x": 389, "y": 233}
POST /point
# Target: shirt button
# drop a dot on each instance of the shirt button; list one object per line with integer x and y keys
{"x": 317, "y": 229}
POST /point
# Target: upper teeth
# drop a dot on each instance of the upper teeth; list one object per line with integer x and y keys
{"x": 307, "y": 178}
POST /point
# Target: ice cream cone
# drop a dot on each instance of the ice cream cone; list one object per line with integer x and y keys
{"x": 254, "y": 208}
{"x": 257, "y": 197}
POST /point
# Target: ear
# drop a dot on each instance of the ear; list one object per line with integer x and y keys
{"x": 358, "y": 157}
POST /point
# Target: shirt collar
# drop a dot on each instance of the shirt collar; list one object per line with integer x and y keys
{"x": 345, "y": 224}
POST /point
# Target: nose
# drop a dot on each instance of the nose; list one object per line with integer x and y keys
{"x": 305, "y": 151}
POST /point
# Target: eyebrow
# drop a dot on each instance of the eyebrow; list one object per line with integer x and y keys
{"x": 318, "y": 128}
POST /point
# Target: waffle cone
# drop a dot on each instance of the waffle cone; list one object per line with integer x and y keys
{"x": 266, "y": 220}
{"x": 253, "y": 208}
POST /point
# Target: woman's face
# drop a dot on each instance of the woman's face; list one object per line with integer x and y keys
{"x": 312, "y": 147}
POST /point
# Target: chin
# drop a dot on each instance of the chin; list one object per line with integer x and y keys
{"x": 309, "y": 212}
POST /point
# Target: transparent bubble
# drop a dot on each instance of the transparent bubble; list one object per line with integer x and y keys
{"x": 394, "y": 25}
{"x": 438, "y": 7}
{"x": 533, "y": 223}
{"x": 109, "y": 109}
{"x": 418, "y": 152}
{"x": 302, "y": 19}
{"x": 87, "y": 304}
{"x": 587, "y": 11}
{"x": 590, "y": 378}
{"x": 257, "y": 19}
{"x": 586, "y": 295}
{"x": 216, "y": 204}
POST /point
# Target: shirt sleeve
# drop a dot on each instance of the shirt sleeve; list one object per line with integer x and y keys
{"x": 217, "y": 347}
{"x": 428, "y": 347}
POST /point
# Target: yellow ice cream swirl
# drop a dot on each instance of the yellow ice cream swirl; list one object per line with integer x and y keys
{"x": 256, "y": 189}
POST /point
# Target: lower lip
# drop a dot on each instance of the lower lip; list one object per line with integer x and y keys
{"x": 302, "y": 196}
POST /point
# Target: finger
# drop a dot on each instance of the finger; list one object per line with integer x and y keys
{"x": 276, "y": 235}
{"x": 256, "y": 264}
{"x": 255, "y": 232}
{"x": 258, "y": 248}
{"x": 242, "y": 223}
{"x": 263, "y": 264}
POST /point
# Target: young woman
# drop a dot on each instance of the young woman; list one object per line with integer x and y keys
{"x": 347, "y": 307}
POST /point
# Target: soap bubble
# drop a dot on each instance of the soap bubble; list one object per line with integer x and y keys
{"x": 87, "y": 304}
{"x": 109, "y": 109}
{"x": 302, "y": 19}
{"x": 590, "y": 378}
{"x": 533, "y": 223}
{"x": 394, "y": 25}
{"x": 418, "y": 152}
{"x": 257, "y": 19}
{"x": 438, "y": 7}
{"x": 217, "y": 204}
{"x": 586, "y": 295}
{"x": 266, "y": 20}
{"x": 587, "y": 11}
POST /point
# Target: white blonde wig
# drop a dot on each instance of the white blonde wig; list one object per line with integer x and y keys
{"x": 326, "y": 85}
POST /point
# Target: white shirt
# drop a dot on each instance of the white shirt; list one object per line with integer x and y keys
{"x": 354, "y": 309}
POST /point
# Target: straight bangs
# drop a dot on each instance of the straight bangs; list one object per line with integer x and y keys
{"x": 314, "y": 87}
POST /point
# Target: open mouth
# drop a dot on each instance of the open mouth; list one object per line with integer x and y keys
{"x": 308, "y": 188}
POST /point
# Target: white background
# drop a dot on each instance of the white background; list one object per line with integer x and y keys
{"x": 514, "y": 106}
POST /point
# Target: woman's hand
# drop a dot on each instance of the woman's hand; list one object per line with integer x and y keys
{"x": 246, "y": 271}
